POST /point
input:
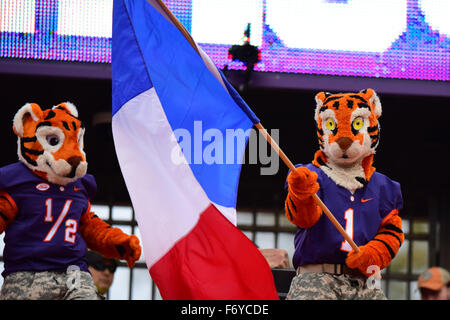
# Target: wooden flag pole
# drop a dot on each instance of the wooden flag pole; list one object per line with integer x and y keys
{"x": 264, "y": 132}
{"x": 319, "y": 202}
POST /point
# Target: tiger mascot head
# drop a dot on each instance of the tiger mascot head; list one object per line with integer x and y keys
{"x": 348, "y": 133}
{"x": 50, "y": 142}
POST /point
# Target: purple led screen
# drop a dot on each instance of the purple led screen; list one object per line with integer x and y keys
{"x": 404, "y": 39}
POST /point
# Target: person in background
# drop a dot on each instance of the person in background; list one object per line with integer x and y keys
{"x": 276, "y": 258}
{"x": 434, "y": 284}
{"x": 102, "y": 270}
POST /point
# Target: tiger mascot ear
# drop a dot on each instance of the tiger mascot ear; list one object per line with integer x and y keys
{"x": 373, "y": 99}
{"x": 320, "y": 99}
{"x": 68, "y": 107}
{"x": 369, "y": 94}
{"x": 32, "y": 110}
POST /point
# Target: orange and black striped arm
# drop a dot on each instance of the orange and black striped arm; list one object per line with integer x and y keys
{"x": 301, "y": 212}
{"x": 390, "y": 237}
{"x": 382, "y": 248}
{"x": 8, "y": 210}
{"x": 108, "y": 241}
{"x": 300, "y": 207}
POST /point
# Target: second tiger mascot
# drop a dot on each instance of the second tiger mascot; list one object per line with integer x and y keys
{"x": 365, "y": 202}
{"x": 46, "y": 214}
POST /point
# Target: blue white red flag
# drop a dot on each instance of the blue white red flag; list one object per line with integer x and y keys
{"x": 185, "y": 209}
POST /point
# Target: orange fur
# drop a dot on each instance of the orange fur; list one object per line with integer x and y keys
{"x": 110, "y": 242}
{"x": 367, "y": 166}
{"x": 382, "y": 248}
{"x": 300, "y": 207}
{"x": 8, "y": 210}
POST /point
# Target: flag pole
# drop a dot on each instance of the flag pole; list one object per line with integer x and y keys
{"x": 319, "y": 202}
{"x": 264, "y": 133}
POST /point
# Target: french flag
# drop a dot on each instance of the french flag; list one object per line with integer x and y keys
{"x": 185, "y": 210}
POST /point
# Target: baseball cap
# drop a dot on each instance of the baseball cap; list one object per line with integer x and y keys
{"x": 433, "y": 278}
{"x": 99, "y": 262}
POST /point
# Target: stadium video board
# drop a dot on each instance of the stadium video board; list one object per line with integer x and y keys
{"x": 396, "y": 39}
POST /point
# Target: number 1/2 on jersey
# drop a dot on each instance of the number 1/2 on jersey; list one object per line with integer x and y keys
{"x": 70, "y": 224}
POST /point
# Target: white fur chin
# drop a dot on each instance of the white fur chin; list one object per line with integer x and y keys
{"x": 345, "y": 177}
{"x": 59, "y": 169}
{"x": 345, "y": 171}
{"x": 53, "y": 178}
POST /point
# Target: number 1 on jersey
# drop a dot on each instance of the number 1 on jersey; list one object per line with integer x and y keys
{"x": 345, "y": 246}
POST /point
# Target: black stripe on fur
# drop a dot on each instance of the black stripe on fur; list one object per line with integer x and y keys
{"x": 391, "y": 234}
{"x": 354, "y": 96}
{"x": 391, "y": 252}
{"x": 44, "y": 124}
{"x": 28, "y": 139}
{"x": 363, "y": 105}
{"x": 24, "y": 151}
{"x": 336, "y": 105}
{"x": 361, "y": 180}
{"x": 350, "y": 104}
{"x": 65, "y": 125}
{"x": 3, "y": 216}
{"x": 51, "y": 114}
{"x": 292, "y": 204}
{"x": 323, "y": 108}
{"x": 321, "y": 162}
{"x": 391, "y": 227}
{"x": 331, "y": 99}
{"x": 289, "y": 212}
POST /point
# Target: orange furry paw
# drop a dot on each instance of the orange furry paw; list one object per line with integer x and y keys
{"x": 129, "y": 250}
{"x": 303, "y": 183}
{"x": 366, "y": 257}
{"x": 300, "y": 207}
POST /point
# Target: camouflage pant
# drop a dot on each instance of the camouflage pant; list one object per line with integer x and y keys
{"x": 326, "y": 286}
{"x": 45, "y": 285}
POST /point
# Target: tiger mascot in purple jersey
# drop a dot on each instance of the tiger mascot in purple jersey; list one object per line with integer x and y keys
{"x": 45, "y": 211}
{"x": 365, "y": 202}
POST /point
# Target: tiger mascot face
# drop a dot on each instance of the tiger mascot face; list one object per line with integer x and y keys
{"x": 348, "y": 133}
{"x": 50, "y": 142}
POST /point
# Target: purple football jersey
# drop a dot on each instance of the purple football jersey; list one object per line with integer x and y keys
{"x": 45, "y": 235}
{"x": 360, "y": 214}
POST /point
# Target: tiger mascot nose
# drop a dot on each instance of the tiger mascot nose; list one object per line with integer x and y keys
{"x": 74, "y": 161}
{"x": 344, "y": 143}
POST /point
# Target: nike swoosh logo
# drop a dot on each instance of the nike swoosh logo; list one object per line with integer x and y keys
{"x": 78, "y": 189}
{"x": 365, "y": 200}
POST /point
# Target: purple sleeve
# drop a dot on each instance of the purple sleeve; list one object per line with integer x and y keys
{"x": 90, "y": 185}
{"x": 1, "y": 179}
{"x": 391, "y": 197}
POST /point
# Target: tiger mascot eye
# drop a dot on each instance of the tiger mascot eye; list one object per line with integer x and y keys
{"x": 365, "y": 202}
{"x": 45, "y": 211}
